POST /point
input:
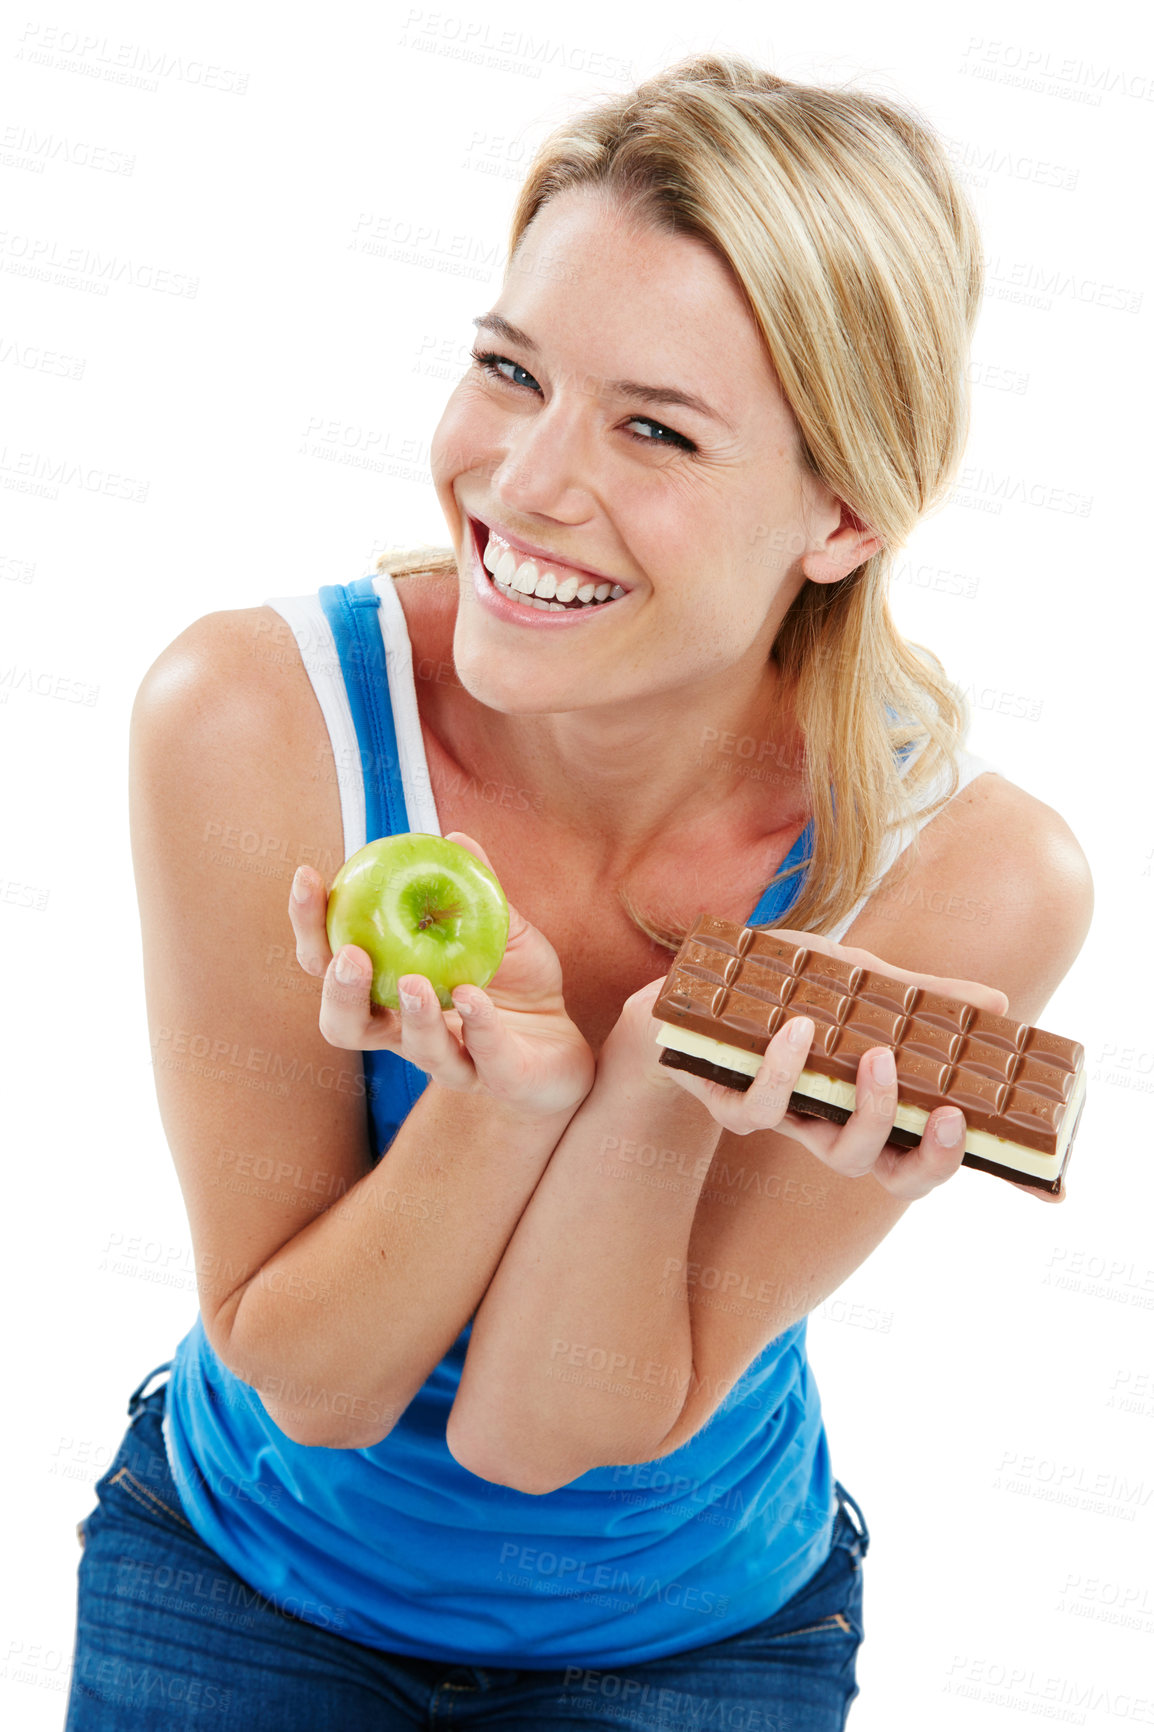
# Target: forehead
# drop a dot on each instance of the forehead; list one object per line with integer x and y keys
{"x": 635, "y": 298}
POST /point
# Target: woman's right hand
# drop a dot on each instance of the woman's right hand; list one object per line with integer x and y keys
{"x": 516, "y": 1041}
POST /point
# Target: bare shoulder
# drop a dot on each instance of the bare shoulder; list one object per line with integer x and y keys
{"x": 230, "y": 698}
{"x": 998, "y": 890}
{"x": 244, "y": 656}
{"x": 1015, "y": 848}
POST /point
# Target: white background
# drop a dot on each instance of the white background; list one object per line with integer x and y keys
{"x": 987, "y": 1377}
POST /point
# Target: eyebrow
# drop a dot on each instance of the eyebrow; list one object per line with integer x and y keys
{"x": 660, "y": 394}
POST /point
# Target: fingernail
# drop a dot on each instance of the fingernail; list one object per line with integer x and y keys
{"x": 300, "y": 888}
{"x": 885, "y": 1071}
{"x": 800, "y": 1031}
{"x": 949, "y": 1129}
{"x": 347, "y": 971}
{"x": 410, "y": 1001}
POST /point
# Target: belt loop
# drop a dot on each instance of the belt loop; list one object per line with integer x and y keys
{"x": 860, "y": 1526}
{"x": 137, "y": 1398}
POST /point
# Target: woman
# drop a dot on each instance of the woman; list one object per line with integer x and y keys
{"x": 516, "y": 1423}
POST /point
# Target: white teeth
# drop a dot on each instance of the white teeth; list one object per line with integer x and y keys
{"x": 537, "y": 601}
{"x": 537, "y": 585}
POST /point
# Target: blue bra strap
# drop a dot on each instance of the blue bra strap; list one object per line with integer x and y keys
{"x": 781, "y": 896}
{"x": 393, "y": 1084}
{"x": 351, "y": 610}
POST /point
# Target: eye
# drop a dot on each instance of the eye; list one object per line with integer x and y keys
{"x": 491, "y": 363}
{"x": 670, "y": 437}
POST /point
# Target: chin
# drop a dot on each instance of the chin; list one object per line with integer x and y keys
{"x": 511, "y": 693}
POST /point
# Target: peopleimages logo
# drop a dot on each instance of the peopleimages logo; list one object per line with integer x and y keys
{"x": 475, "y": 40}
{"x": 25, "y": 147}
{"x": 1028, "y": 67}
{"x": 41, "y": 473}
{"x": 577, "y": 1573}
{"x": 1034, "y": 283}
{"x": 129, "y": 63}
{"x": 1047, "y": 1694}
{"x": 36, "y": 254}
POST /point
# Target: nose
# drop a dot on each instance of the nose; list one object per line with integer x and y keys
{"x": 547, "y": 466}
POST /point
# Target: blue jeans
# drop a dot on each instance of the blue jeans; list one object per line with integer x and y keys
{"x": 168, "y": 1637}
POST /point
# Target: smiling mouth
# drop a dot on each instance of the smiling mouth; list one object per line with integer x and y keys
{"x": 534, "y": 583}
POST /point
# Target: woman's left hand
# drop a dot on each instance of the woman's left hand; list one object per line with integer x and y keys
{"x": 859, "y": 1146}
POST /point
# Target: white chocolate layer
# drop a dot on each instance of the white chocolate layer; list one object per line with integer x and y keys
{"x": 844, "y": 1094}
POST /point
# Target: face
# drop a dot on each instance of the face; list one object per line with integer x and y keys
{"x": 699, "y": 512}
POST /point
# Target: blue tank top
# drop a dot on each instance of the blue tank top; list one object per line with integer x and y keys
{"x": 400, "y": 1547}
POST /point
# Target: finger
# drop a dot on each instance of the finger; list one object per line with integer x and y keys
{"x": 648, "y": 994}
{"x": 486, "y": 1039}
{"x": 765, "y": 1103}
{"x": 518, "y": 925}
{"x": 308, "y": 906}
{"x": 856, "y": 1147}
{"x": 348, "y": 1017}
{"x": 639, "y": 1006}
{"x": 519, "y": 929}
{"x": 472, "y": 845}
{"x": 913, "y": 1173}
{"x": 426, "y": 1040}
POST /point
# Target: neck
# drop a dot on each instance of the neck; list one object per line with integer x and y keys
{"x": 721, "y": 754}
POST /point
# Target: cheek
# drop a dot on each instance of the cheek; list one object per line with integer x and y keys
{"x": 462, "y": 435}
{"x": 446, "y": 444}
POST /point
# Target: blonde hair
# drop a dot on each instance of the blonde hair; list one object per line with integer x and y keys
{"x": 839, "y": 216}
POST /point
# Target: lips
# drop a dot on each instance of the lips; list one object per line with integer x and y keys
{"x": 524, "y": 550}
{"x": 512, "y": 608}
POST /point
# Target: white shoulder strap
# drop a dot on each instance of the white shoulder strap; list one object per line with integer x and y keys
{"x": 306, "y": 620}
{"x": 318, "y": 651}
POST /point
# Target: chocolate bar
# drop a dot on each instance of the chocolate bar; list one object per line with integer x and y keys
{"x": 1021, "y": 1089}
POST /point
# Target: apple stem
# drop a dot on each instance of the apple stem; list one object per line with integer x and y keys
{"x": 435, "y": 915}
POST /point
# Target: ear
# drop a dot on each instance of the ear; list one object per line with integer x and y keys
{"x": 843, "y": 550}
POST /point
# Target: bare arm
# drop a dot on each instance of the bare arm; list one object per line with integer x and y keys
{"x": 581, "y": 1350}
{"x": 340, "y": 1328}
{"x": 328, "y": 1286}
{"x": 656, "y": 1292}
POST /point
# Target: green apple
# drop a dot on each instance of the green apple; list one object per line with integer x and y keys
{"x": 420, "y": 905}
